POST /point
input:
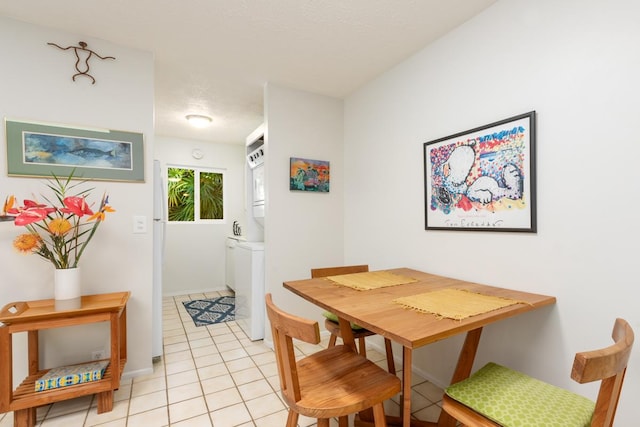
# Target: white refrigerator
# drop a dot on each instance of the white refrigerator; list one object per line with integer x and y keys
{"x": 159, "y": 227}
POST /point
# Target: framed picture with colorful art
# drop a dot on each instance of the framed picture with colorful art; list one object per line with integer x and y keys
{"x": 45, "y": 149}
{"x": 483, "y": 179}
{"x": 309, "y": 175}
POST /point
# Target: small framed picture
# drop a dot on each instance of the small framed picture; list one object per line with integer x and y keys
{"x": 483, "y": 179}
{"x": 309, "y": 175}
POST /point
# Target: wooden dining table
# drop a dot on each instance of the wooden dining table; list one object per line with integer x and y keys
{"x": 376, "y": 310}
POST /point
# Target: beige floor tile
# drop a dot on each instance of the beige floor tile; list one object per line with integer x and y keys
{"x": 264, "y": 405}
{"x": 430, "y": 413}
{"x": 178, "y": 356}
{"x": 210, "y": 359}
{"x": 120, "y": 422}
{"x": 204, "y": 351}
{"x": 187, "y": 409}
{"x": 247, "y": 376}
{"x": 223, "y": 338}
{"x": 181, "y": 366}
{"x": 182, "y": 378}
{"x": 229, "y": 346}
{"x": 258, "y": 348}
{"x": 430, "y": 391}
{"x": 157, "y": 418}
{"x": 184, "y": 392}
{"x": 233, "y": 354}
{"x": 174, "y": 339}
{"x": 147, "y": 402}
{"x": 149, "y": 386}
{"x": 199, "y": 334}
{"x": 178, "y": 331}
{"x": 255, "y": 389}
{"x": 240, "y": 364}
{"x": 172, "y": 348}
{"x": 221, "y": 382}
{"x": 230, "y": 416}
{"x": 269, "y": 369}
{"x": 212, "y": 371}
{"x": 203, "y": 342}
{"x": 66, "y": 420}
{"x": 277, "y": 419}
{"x": 199, "y": 421}
{"x": 264, "y": 358}
{"x": 223, "y": 399}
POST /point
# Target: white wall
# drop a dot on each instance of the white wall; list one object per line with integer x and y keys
{"x": 302, "y": 229}
{"x": 577, "y": 63}
{"x": 35, "y": 84}
{"x": 195, "y": 253}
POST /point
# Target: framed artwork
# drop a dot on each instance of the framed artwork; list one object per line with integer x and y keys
{"x": 42, "y": 149}
{"x": 483, "y": 179}
{"x": 309, "y": 175}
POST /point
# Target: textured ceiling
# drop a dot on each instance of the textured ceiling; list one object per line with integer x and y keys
{"x": 214, "y": 56}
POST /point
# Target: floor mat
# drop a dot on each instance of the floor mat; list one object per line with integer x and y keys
{"x": 212, "y": 310}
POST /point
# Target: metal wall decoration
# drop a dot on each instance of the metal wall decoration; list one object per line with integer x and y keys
{"x": 82, "y": 59}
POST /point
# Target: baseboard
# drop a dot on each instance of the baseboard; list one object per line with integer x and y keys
{"x": 137, "y": 373}
{"x": 194, "y": 291}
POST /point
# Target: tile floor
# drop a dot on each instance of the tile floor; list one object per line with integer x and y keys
{"x": 209, "y": 376}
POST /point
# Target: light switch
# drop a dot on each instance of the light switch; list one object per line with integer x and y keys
{"x": 139, "y": 224}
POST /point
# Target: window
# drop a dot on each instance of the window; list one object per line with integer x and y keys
{"x": 188, "y": 202}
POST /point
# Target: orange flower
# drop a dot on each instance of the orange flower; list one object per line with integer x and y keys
{"x": 8, "y": 204}
{"x": 27, "y": 243}
{"x": 59, "y": 226}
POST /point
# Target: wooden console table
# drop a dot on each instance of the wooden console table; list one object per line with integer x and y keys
{"x": 33, "y": 316}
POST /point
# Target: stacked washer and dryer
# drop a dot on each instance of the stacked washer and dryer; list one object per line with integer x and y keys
{"x": 248, "y": 253}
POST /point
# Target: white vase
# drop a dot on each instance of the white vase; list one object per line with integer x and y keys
{"x": 66, "y": 288}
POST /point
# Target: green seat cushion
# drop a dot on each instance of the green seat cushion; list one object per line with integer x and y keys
{"x": 334, "y": 318}
{"x": 513, "y": 399}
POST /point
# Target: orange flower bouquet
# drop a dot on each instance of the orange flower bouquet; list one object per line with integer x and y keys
{"x": 60, "y": 229}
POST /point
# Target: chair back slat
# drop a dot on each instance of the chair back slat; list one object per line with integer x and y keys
{"x": 284, "y": 327}
{"x": 336, "y": 271}
{"x": 608, "y": 365}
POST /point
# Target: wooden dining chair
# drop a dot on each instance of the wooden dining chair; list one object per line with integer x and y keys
{"x": 359, "y": 333}
{"x": 333, "y": 382}
{"x": 498, "y": 396}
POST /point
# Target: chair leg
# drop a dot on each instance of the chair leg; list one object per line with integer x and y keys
{"x": 363, "y": 347}
{"x": 343, "y": 421}
{"x": 292, "y": 419}
{"x": 379, "y": 419}
{"x": 332, "y": 340}
{"x": 391, "y": 364}
{"x": 323, "y": 422}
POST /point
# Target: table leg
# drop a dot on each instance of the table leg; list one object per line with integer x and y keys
{"x": 407, "y": 363}
{"x": 24, "y": 417}
{"x": 463, "y": 369}
{"x": 33, "y": 350}
{"x": 6, "y": 369}
{"x": 105, "y": 401}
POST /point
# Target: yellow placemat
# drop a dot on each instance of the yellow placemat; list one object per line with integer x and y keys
{"x": 371, "y": 280}
{"x": 454, "y": 304}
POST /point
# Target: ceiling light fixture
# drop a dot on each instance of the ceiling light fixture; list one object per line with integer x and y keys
{"x": 199, "y": 120}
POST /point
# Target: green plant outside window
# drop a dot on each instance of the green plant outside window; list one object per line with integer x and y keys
{"x": 188, "y": 202}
